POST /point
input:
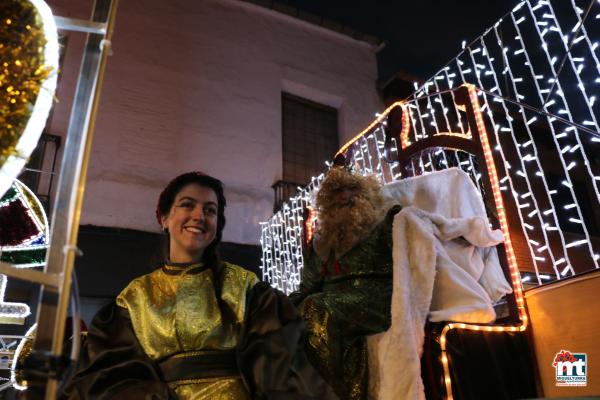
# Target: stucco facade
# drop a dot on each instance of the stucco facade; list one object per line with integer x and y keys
{"x": 196, "y": 85}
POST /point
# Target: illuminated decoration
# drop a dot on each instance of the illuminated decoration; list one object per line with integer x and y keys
{"x": 309, "y": 225}
{"x": 23, "y": 242}
{"x": 28, "y": 74}
{"x": 281, "y": 240}
{"x": 23, "y": 350}
{"x": 541, "y": 57}
{"x": 379, "y": 120}
{"x": 23, "y": 228}
{"x": 512, "y": 262}
{"x": 532, "y": 80}
{"x": 538, "y": 75}
{"x": 404, "y": 142}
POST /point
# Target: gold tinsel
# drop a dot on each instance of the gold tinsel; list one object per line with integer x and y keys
{"x": 23, "y": 354}
{"x": 22, "y": 70}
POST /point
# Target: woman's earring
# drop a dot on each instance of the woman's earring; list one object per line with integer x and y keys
{"x": 165, "y": 229}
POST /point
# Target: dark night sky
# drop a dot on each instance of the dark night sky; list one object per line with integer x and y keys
{"x": 421, "y": 35}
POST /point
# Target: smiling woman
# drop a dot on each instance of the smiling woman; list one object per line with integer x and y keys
{"x": 197, "y": 327}
{"x": 191, "y": 223}
{"x": 191, "y": 210}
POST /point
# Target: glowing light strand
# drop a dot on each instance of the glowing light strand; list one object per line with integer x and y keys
{"x": 518, "y": 148}
{"x": 480, "y": 83}
{"x": 539, "y": 167}
{"x": 430, "y": 112}
{"x": 560, "y": 154}
{"x": 566, "y": 104}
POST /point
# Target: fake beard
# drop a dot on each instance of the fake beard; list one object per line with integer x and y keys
{"x": 340, "y": 227}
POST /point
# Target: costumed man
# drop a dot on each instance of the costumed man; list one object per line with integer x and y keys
{"x": 346, "y": 286}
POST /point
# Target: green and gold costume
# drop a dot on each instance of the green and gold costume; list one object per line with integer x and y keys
{"x": 165, "y": 338}
{"x": 174, "y": 311}
{"x": 344, "y": 300}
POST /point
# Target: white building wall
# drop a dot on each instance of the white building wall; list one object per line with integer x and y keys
{"x": 196, "y": 85}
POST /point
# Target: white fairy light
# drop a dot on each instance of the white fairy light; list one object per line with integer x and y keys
{"x": 577, "y": 243}
{"x": 481, "y": 69}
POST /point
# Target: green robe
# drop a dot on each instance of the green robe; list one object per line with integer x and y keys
{"x": 342, "y": 301}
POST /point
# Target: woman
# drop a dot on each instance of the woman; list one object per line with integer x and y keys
{"x": 196, "y": 328}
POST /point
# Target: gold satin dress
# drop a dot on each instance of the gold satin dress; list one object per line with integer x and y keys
{"x": 174, "y": 312}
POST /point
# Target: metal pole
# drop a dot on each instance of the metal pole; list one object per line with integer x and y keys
{"x": 54, "y": 301}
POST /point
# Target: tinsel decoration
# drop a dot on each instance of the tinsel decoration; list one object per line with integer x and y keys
{"x": 23, "y": 350}
{"x": 23, "y": 228}
{"x": 18, "y": 378}
{"x": 23, "y": 242}
{"x": 22, "y": 71}
{"x": 11, "y": 313}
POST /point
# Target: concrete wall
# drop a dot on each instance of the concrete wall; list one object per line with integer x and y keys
{"x": 196, "y": 85}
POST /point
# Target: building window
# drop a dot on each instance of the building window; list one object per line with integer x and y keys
{"x": 309, "y": 138}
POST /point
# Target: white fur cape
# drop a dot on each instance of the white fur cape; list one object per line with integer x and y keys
{"x": 440, "y": 271}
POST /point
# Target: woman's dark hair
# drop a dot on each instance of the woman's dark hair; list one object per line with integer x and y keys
{"x": 210, "y": 256}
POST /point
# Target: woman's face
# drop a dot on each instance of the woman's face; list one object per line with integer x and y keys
{"x": 192, "y": 223}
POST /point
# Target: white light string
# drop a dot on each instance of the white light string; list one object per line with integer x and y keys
{"x": 562, "y": 96}
{"x": 553, "y": 131}
{"x": 475, "y": 64}
{"x": 524, "y": 175}
{"x": 541, "y": 176}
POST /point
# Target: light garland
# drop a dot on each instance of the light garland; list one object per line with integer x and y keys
{"x": 504, "y": 68}
{"x": 538, "y": 212}
{"x": 512, "y": 261}
{"x": 472, "y": 55}
{"x": 23, "y": 248}
{"x": 380, "y": 118}
{"x": 29, "y": 54}
{"x": 405, "y": 127}
{"x": 503, "y": 60}
{"x": 309, "y": 225}
{"x": 23, "y": 349}
{"x": 11, "y": 313}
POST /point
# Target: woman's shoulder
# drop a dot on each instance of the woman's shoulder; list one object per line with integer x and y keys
{"x": 137, "y": 287}
{"x": 234, "y": 270}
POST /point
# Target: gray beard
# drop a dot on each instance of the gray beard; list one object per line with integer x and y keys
{"x": 351, "y": 225}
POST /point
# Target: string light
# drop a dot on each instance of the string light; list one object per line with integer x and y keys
{"x": 525, "y": 71}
